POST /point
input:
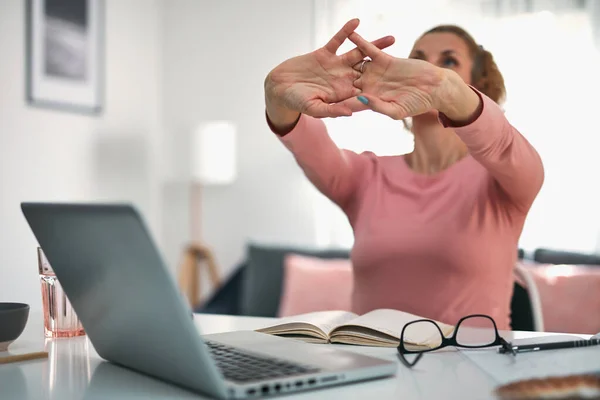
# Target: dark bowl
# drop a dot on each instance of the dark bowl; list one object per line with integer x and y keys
{"x": 13, "y": 318}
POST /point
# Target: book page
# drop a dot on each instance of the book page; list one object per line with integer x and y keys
{"x": 389, "y": 323}
{"x": 308, "y": 338}
{"x": 320, "y": 323}
{"x": 363, "y": 337}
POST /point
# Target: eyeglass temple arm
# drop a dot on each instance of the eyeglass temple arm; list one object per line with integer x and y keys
{"x": 507, "y": 347}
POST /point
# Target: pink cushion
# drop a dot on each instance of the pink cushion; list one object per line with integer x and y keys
{"x": 570, "y": 297}
{"x": 315, "y": 284}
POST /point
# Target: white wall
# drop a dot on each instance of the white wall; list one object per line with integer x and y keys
{"x": 217, "y": 54}
{"x": 54, "y": 155}
{"x": 170, "y": 66}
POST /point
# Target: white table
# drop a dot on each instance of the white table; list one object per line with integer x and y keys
{"x": 75, "y": 371}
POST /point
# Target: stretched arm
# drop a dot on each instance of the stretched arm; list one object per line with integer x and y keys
{"x": 493, "y": 141}
{"x": 336, "y": 173}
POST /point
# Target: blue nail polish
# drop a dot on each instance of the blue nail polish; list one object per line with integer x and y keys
{"x": 363, "y": 100}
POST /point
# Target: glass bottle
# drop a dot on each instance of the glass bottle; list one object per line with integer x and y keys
{"x": 60, "y": 319}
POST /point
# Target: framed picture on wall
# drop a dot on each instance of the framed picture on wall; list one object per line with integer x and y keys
{"x": 65, "y": 54}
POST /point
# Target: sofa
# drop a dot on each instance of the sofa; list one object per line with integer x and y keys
{"x": 254, "y": 288}
{"x": 553, "y": 256}
{"x": 568, "y": 284}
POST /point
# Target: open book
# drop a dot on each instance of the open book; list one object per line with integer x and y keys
{"x": 377, "y": 328}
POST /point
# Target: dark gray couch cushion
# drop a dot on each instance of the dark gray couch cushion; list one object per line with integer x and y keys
{"x": 263, "y": 278}
{"x": 550, "y": 256}
{"x": 226, "y": 299}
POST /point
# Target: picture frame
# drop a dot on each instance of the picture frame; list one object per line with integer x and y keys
{"x": 65, "y": 54}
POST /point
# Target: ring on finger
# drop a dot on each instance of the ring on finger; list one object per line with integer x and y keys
{"x": 362, "y": 65}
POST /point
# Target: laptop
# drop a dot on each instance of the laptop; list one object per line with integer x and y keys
{"x": 135, "y": 316}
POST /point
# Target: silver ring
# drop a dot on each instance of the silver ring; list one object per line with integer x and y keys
{"x": 362, "y": 65}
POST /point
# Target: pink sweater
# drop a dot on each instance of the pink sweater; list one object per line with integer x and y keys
{"x": 440, "y": 246}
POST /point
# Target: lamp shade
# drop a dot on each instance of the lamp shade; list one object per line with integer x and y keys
{"x": 214, "y": 153}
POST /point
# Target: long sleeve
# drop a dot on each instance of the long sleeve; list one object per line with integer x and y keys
{"x": 511, "y": 160}
{"x": 336, "y": 173}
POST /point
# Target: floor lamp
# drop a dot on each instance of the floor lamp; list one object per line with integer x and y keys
{"x": 213, "y": 163}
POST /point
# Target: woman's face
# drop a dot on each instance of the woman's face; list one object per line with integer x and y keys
{"x": 446, "y": 50}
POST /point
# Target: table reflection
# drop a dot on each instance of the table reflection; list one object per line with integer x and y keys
{"x": 112, "y": 381}
{"x": 13, "y": 384}
{"x": 68, "y": 365}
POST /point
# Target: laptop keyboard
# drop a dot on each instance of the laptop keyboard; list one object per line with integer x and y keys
{"x": 243, "y": 367}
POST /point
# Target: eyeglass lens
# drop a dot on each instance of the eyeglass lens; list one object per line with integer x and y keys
{"x": 417, "y": 332}
{"x": 476, "y": 331}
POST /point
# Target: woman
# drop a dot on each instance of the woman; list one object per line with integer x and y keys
{"x": 436, "y": 231}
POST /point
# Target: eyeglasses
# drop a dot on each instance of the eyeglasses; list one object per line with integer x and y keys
{"x": 473, "y": 332}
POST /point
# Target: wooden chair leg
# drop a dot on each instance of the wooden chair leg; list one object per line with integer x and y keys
{"x": 187, "y": 277}
{"x": 189, "y": 273}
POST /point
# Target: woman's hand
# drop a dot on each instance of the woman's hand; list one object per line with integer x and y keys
{"x": 401, "y": 88}
{"x": 316, "y": 83}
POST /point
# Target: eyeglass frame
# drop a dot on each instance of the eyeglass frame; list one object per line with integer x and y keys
{"x": 450, "y": 341}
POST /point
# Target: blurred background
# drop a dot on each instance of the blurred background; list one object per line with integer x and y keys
{"x": 160, "y": 103}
